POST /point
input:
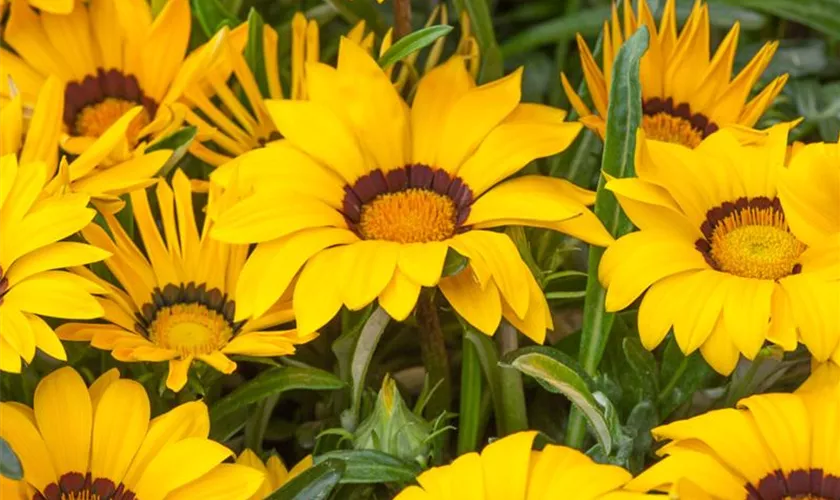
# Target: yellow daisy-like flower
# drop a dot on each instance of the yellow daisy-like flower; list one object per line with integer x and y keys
{"x": 178, "y": 301}
{"x": 275, "y": 471}
{"x": 251, "y": 126}
{"x": 99, "y": 442}
{"x": 93, "y": 172}
{"x": 367, "y": 196}
{"x": 772, "y": 447}
{"x": 212, "y": 102}
{"x": 508, "y": 469}
{"x": 32, "y": 282}
{"x": 686, "y": 93}
{"x": 734, "y": 248}
{"x": 120, "y": 73}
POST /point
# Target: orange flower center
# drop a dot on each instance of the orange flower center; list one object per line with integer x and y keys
{"x": 412, "y": 204}
{"x": 667, "y": 128}
{"x": 668, "y": 122}
{"x": 188, "y": 319}
{"x": 410, "y": 216}
{"x": 92, "y": 105}
{"x": 95, "y": 119}
{"x": 751, "y": 239}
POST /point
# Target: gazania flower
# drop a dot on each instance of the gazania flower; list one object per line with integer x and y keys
{"x": 221, "y": 138}
{"x": 367, "y": 196}
{"x": 92, "y": 172}
{"x": 276, "y": 474}
{"x": 508, "y": 469}
{"x": 733, "y": 248}
{"x": 178, "y": 301}
{"x": 773, "y": 447}
{"x": 32, "y": 256}
{"x": 120, "y": 73}
{"x": 686, "y": 94}
{"x": 80, "y": 443}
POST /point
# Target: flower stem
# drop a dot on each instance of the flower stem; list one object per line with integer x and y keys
{"x": 469, "y": 415}
{"x": 402, "y": 18}
{"x": 433, "y": 351}
{"x": 515, "y": 416}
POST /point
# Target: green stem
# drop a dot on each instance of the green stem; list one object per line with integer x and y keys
{"x": 674, "y": 379}
{"x": 433, "y": 351}
{"x": 469, "y": 416}
{"x": 402, "y": 18}
{"x": 515, "y": 416}
{"x": 492, "y": 66}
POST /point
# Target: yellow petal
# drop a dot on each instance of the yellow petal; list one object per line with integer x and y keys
{"x": 24, "y": 438}
{"x": 17, "y": 332}
{"x": 55, "y": 293}
{"x": 368, "y": 266}
{"x": 164, "y": 48}
{"x": 479, "y": 306}
{"x": 423, "y": 262}
{"x": 506, "y": 465}
{"x": 46, "y": 339}
{"x": 65, "y": 419}
{"x": 399, "y": 297}
{"x": 178, "y": 369}
{"x": 317, "y": 297}
{"x": 120, "y": 424}
{"x": 179, "y": 464}
{"x": 746, "y": 313}
{"x": 528, "y": 197}
{"x": 224, "y": 482}
{"x": 55, "y": 256}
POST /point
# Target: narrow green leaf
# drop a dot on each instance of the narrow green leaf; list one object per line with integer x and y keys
{"x": 212, "y": 15}
{"x": 559, "y": 374}
{"x": 362, "y": 354}
{"x": 254, "y": 51}
{"x": 822, "y": 15}
{"x": 624, "y": 115}
{"x": 10, "y": 466}
{"x": 179, "y": 142}
{"x": 371, "y": 466}
{"x": 274, "y": 381}
{"x": 354, "y": 11}
{"x": 315, "y": 483}
{"x": 565, "y": 295}
{"x": 488, "y": 356}
{"x": 411, "y": 43}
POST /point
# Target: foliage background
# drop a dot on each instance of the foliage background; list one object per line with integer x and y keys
{"x": 285, "y": 405}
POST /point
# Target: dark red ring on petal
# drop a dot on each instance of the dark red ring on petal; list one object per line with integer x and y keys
{"x": 414, "y": 176}
{"x": 95, "y": 89}
{"x": 813, "y": 483}
{"x": 699, "y": 122}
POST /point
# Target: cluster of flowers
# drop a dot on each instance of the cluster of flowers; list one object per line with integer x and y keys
{"x": 352, "y": 196}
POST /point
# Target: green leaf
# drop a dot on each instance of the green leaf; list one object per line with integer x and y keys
{"x": 179, "y": 142}
{"x": 10, "y": 466}
{"x": 469, "y": 413}
{"x": 560, "y": 374}
{"x": 643, "y": 364}
{"x": 254, "y": 52}
{"x": 685, "y": 375}
{"x": 411, "y": 43}
{"x": 488, "y": 356}
{"x": 371, "y": 466}
{"x": 274, "y": 381}
{"x": 315, "y": 483}
{"x": 362, "y": 354}
{"x": 454, "y": 263}
{"x": 585, "y": 22}
{"x": 212, "y": 15}
{"x": 565, "y": 295}
{"x": 354, "y": 11}
{"x": 822, "y": 15}
{"x": 624, "y": 116}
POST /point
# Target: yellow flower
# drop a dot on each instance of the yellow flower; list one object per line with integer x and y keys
{"x": 367, "y": 196}
{"x": 177, "y": 302}
{"x": 276, "y": 474}
{"x": 734, "y": 247}
{"x": 80, "y": 443}
{"x": 119, "y": 74}
{"x": 773, "y": 447}
{"x": 32, "y": 283}
{"x": 686, "y": 94}
{"x": 211, "y": 100}
{"x": 93, "y": 172}
{"x": 508, "y": 469}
